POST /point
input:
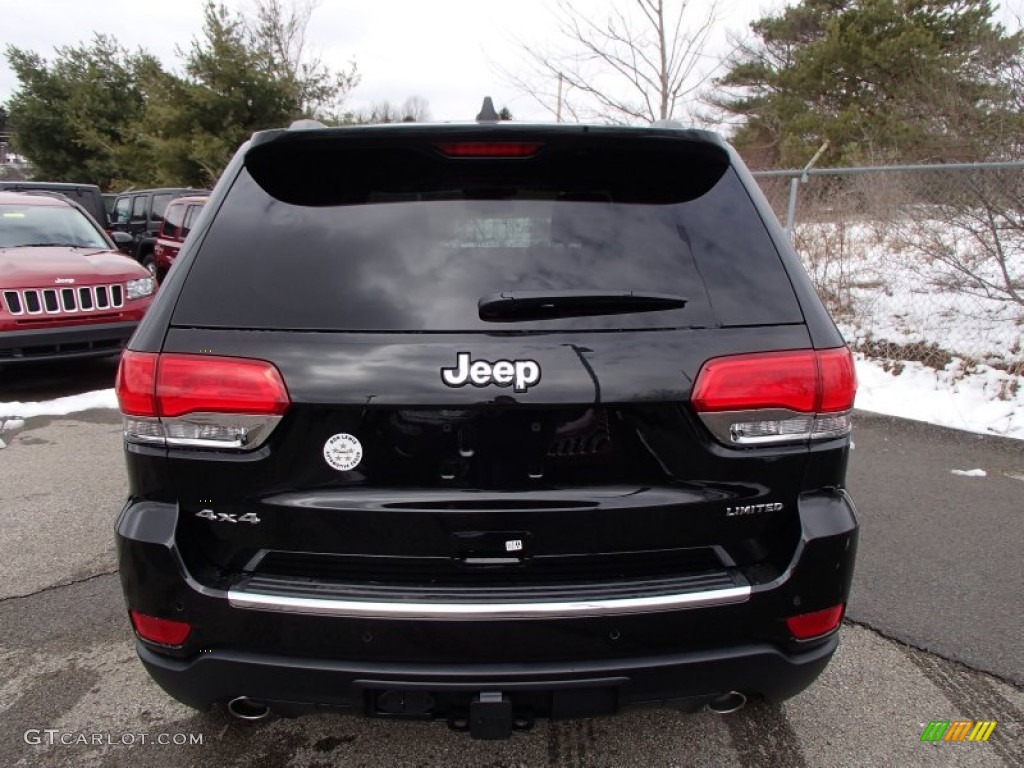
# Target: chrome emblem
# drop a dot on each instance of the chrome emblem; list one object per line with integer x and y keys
{"x": 64, "y": 281}
{"x": 518, "y": 374}
{"x": 752, "y": 509}
{"x": 225, "y": 517}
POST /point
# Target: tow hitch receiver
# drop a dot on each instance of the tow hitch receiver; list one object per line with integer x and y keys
{"x": 490, "y": 716}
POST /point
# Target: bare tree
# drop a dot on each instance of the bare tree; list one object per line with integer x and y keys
{"x": 637, "y": 64}
{"x": 977, "y": 249}
{"x": 414, "y": 109}
{"x": 380, "y": 112}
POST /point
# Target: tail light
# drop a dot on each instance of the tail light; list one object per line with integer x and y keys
{"x": 777, "y": 397}
{"x": 161, "y": 631}
{"x": 199, "y": 401}
{"x": 808, "y": 625}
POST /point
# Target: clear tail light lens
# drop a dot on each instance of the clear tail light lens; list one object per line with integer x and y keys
{"x": 777, "y": 397}
{"x": 199, "y": 401}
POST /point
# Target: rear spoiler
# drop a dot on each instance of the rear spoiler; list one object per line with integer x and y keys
{"x": 356, "y": 165}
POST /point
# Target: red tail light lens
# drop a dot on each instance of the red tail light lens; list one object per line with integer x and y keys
{"x": 162, "y": 631}
{"x": 490, "y": 149}
{"x": 745, "y": 382}
{"x": 197, "y": 383}
{"x": 199, "y": 401}
{"x": 777, "y": 397}
{"x": 136, "y": 383}
{"x": 815, "y": 624}
{"x": 838, "y": 380}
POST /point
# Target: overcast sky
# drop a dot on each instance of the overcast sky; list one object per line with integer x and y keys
{"x": 449, "y": 52}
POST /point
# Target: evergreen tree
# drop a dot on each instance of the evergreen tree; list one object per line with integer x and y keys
{"x": 881, "y": 80}
{"x": 100, "y": 114}
{"x": 74, "y": 115}
{"x": 240, "y": 77}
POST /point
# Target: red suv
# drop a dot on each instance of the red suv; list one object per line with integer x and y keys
{"x": 65, "y": 290}
{"x": 178, "y": 221}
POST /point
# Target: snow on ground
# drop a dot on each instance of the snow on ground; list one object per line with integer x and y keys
{"x": 987, "y": 400}
{"x": 913, "y": 280}
{"x": 62, "y": 406}
{"x": 881, "y": 285}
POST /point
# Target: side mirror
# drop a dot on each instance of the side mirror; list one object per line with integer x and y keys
{"x": 121, "y": 238}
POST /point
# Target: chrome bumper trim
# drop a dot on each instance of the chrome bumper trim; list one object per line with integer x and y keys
{"x": 470, "y": 611}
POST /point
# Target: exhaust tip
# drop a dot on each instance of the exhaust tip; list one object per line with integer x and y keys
{"x": 244, "y": 708}
{"x": 727, "y": 703}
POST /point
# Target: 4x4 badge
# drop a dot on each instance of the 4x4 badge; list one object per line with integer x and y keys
{"x": 227, "y": 517}
{"x": 519, "y": 374}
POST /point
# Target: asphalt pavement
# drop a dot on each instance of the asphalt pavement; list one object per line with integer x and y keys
{"x": 940, "y": 563}
{"x": 70, "y": 669}
{"x": 938, "y": 583}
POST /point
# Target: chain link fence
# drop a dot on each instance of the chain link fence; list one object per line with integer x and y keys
{"x": 920, "y": 263}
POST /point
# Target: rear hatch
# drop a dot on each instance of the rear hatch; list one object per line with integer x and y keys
{"x": 489, "y": 339}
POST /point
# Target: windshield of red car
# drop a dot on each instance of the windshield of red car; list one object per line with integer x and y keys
{"x": 24, "y": 226}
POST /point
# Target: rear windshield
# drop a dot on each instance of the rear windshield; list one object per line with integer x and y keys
{"x": 401, "y": 261}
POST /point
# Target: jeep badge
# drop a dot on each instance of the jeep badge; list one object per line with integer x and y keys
{"x": 519, "y": 374}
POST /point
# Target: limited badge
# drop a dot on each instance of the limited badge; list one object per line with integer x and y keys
{"x": 343, "y": 452}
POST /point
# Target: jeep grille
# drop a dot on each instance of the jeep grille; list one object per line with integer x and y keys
{"x": 55, "y": 301}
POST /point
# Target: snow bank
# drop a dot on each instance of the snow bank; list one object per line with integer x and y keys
{"x": 984, "y": 400}
{"x": 62, "y": 406}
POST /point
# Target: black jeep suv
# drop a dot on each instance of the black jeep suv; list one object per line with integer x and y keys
{"x": 139, "y": 215}
{"x": 486, "y": 423}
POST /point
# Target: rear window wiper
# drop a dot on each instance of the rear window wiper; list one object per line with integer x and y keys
{"x": 542, "y": 304}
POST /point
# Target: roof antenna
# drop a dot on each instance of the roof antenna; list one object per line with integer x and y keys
{"x": 487, "y": 113}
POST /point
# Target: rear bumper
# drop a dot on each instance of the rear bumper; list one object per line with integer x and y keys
{"x": 553, "y": 690}
{"x": 76, "y": 341}
{"x": 551, "y": 665}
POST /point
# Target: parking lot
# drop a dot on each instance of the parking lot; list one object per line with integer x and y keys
{"x": 933, "y": 632}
